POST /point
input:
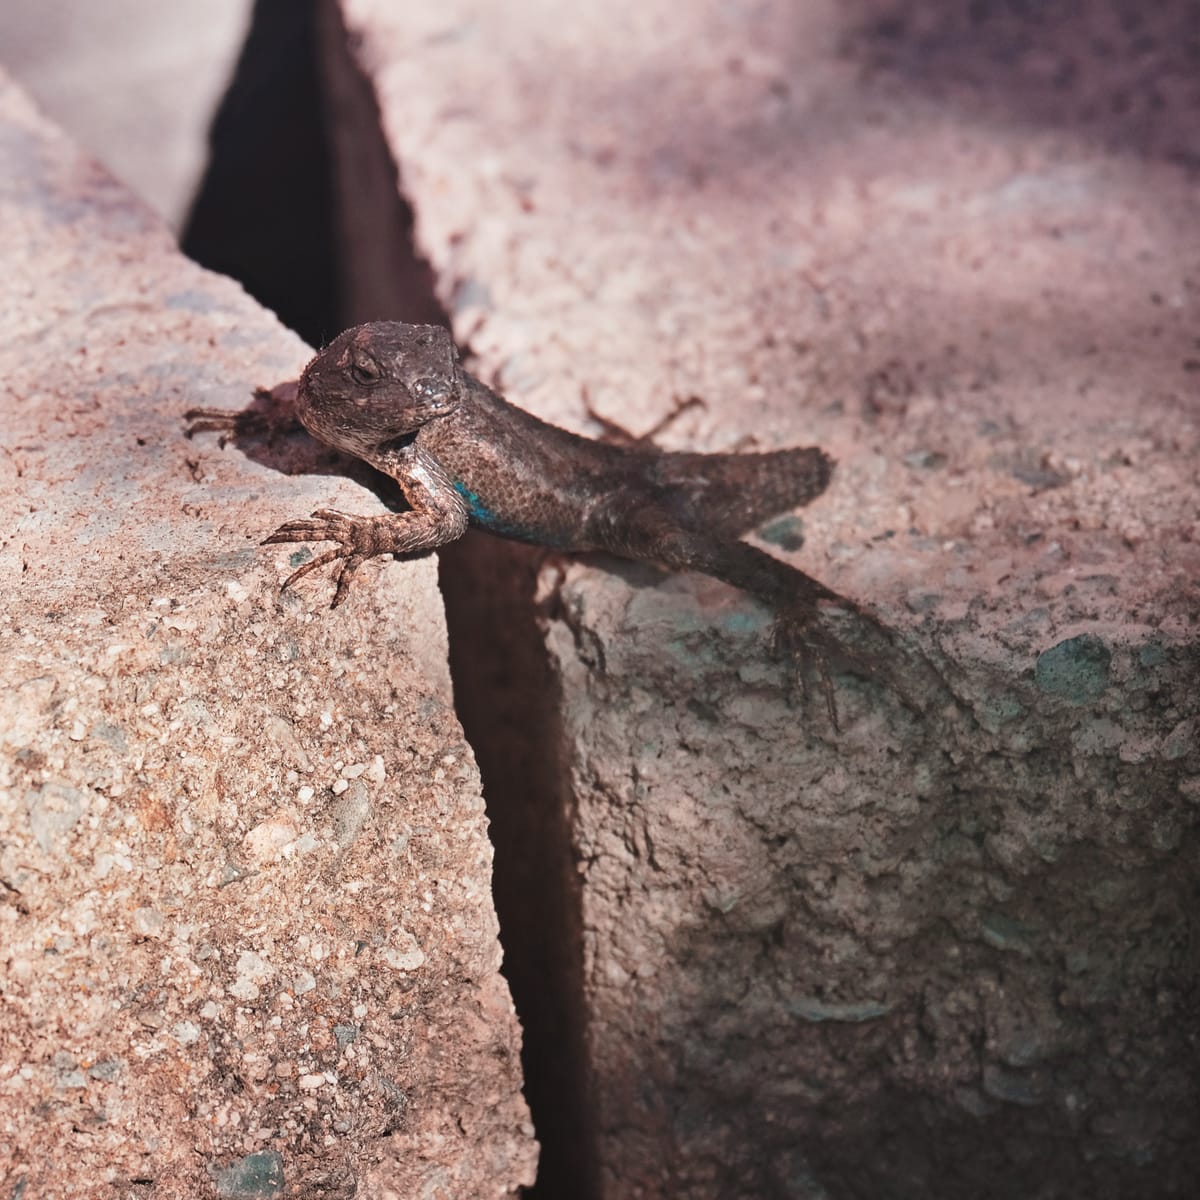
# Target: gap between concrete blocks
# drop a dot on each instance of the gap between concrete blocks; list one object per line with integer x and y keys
{"x": 347, "y": 211}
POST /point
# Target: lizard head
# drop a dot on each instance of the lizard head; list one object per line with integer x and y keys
{"x": 378, "y": 383}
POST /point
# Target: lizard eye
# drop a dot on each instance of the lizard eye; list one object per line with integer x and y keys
{"x": 364, "y": 371}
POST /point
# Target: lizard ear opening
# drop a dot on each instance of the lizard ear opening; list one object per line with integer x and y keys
{"x": 396, "y": 443}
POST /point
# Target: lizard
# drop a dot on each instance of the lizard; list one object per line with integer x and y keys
{"x": 395, "y": 396}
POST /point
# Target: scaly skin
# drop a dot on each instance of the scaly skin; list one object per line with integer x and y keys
{"x": 395, "y": 396}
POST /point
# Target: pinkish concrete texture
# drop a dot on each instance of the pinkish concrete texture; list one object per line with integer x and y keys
{"x": 247, "y": 947}
{"x": 943, "y": 955}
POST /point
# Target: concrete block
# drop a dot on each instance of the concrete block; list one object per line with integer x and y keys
{"x": 941, "y": 953}
{"x": 248, "y": 946}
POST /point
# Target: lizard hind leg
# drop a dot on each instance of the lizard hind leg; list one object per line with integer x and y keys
{"x": 645, "y": 527}
{"x": 651, "y": 533}
{"x": 738, "y": 492}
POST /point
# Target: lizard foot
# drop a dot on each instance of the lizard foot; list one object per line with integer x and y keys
{"x": 358, "y": 538}
{"x": 224, "y": 422}
{"x": 794, "y": 639}
{"x": 876, "y": 655}
{"x": 271, "y": 415}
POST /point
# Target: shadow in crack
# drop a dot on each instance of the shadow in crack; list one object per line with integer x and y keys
{"x": 509, "y": 702}
{"x": 505, "y": 694}
{"x": 317, "y": 229}
{"x": 264, "y": 210}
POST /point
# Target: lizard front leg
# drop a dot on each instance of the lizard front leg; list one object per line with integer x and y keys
{"x": 438, "y": 515}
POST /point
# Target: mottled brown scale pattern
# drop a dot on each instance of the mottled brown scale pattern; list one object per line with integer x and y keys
{"x": 395, "y": 396}
{"x": 389, "y": 393}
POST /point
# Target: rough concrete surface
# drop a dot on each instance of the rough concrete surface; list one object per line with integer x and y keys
{"x": 940, "y": 954}
{"x": 248, "y": 947}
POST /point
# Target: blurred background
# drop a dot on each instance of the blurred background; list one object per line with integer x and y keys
{"x": 209, "y": 110}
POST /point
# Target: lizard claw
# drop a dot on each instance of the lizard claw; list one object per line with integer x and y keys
{"x": 270, "y": 416}
{"x": 325, "y": 525}
{"x": 214, "y": 420}
{"x": 356, "y": 540}
{"x": 416, "y": 531}
{"x": 792, "y": 639}
{"x": 799, "y": 637}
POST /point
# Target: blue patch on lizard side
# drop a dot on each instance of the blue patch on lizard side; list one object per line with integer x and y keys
{"x": 478, "y": 510}
{"x": 481, "y": 514}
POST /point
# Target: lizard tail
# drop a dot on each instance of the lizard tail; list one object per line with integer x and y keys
{"x": 732, "y": 494}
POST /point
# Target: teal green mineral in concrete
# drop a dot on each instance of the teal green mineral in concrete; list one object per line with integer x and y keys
{"x": 786, "y": 532}
{"x": 1076, "y": 670}
{"x": 258, "y": 1176}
